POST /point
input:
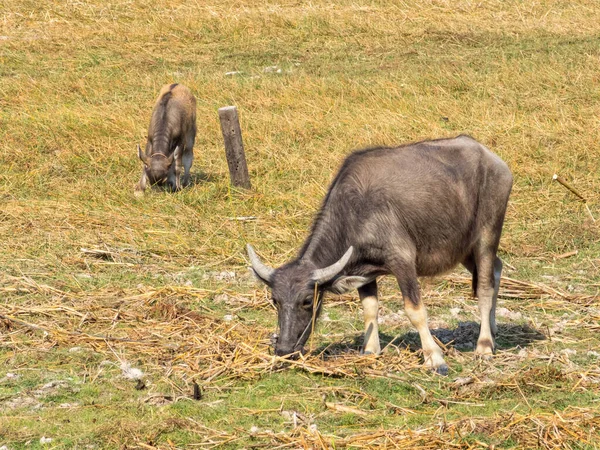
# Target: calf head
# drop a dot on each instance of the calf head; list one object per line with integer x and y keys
{"x": 296, "y": 289}
{"x": 159, "y": 167}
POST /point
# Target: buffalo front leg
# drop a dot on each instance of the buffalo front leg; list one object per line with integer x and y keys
{"x": 370, "y": 304}
{"x": 417, "y": 314}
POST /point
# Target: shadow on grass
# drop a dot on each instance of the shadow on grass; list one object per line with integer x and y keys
{"x": 463, "y": 338}
{"x": 202, "y": 177}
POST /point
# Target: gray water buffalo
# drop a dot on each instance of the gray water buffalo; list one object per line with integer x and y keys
{"x": 410, "y": 211}
{"x": 171, "y": 136}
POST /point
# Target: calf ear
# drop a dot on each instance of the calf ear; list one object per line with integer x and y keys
{"x": 345, "y": 284}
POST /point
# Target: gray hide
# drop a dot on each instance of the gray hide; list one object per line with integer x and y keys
{"x": 410, "y": 211}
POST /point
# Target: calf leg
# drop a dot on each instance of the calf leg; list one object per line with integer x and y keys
{"x": 188, "y": 159}
{"x": 175, "y": 171}
{"x": 370, "y": 304}
{"x": 141, "y": 186}
{"x": 417, "y": 314}
{"x": 178, "y": 164}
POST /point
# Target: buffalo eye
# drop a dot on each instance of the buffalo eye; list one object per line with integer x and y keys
{"x": 307, "y": 302}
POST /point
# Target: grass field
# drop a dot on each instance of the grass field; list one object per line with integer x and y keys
{"x": 98, "y": 285}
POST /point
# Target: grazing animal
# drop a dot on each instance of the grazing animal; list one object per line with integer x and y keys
{"x": 410, "y": 211}
{"x": 171, "y": 136}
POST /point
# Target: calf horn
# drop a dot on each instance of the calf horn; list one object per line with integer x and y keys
{"x": 264, "y": 272}
{"x": 321, "y": 276}
{"x": 141, "y": 155}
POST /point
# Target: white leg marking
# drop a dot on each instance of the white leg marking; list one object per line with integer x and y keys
{"x": 485, "y": 294}
{"x": 370, "y": 311}
{"x": 433, "y": 355}
{"x": 497, "y": 275}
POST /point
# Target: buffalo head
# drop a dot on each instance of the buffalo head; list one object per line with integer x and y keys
{"x": 296, "y": 289}
{"x": 159, "y": 167}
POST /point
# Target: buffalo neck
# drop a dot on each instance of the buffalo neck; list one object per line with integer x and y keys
{"x": 326, "y": 243}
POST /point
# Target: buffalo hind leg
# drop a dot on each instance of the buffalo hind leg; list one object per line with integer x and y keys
{"x": 497, "y": 275}
{"x": 370, "y": 304}
{"x": 489, "y": 268}
{"x": 469, "y": 264}
{"x": 417, "y": 314}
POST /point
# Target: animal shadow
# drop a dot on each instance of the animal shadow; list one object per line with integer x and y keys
{"x": 201, "y": 177}
{"x": 463, "y": 338}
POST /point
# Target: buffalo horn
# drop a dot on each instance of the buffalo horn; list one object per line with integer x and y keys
{"x": 321, "y": 276}
{"x": 264, "y": 272}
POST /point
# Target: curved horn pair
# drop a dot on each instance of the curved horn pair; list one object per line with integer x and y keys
{"x": 319, "y": 276}
{"x": 170, "y": 158}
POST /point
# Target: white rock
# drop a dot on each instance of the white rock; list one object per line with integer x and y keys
{"x": 590, "y": 353}
{"x": 504, "y": 312}
{"x": 131, "y": 373}
{"x": 45, "y": 440}
{"x": 455, "y": 312}
{"x": 272, "y": 69}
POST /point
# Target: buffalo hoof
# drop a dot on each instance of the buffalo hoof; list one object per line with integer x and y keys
{"x": 484, "y": 356}
{"x": 442, "y": 370}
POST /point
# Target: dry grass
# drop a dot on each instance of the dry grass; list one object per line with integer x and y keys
{"x": 180, "y": 349}
{"x": 159, "y": 283}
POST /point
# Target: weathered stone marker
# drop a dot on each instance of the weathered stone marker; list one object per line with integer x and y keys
{"x": 234, "y": 147}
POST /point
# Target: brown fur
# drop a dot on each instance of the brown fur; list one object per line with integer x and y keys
{"x": 171, "y": 137}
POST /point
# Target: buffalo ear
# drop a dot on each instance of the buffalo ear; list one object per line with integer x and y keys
{"x": 141, "y": 155}
{"x": 342, "y": 285}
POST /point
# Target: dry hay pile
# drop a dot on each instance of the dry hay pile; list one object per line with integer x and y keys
{"x": 197, "y": 351}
